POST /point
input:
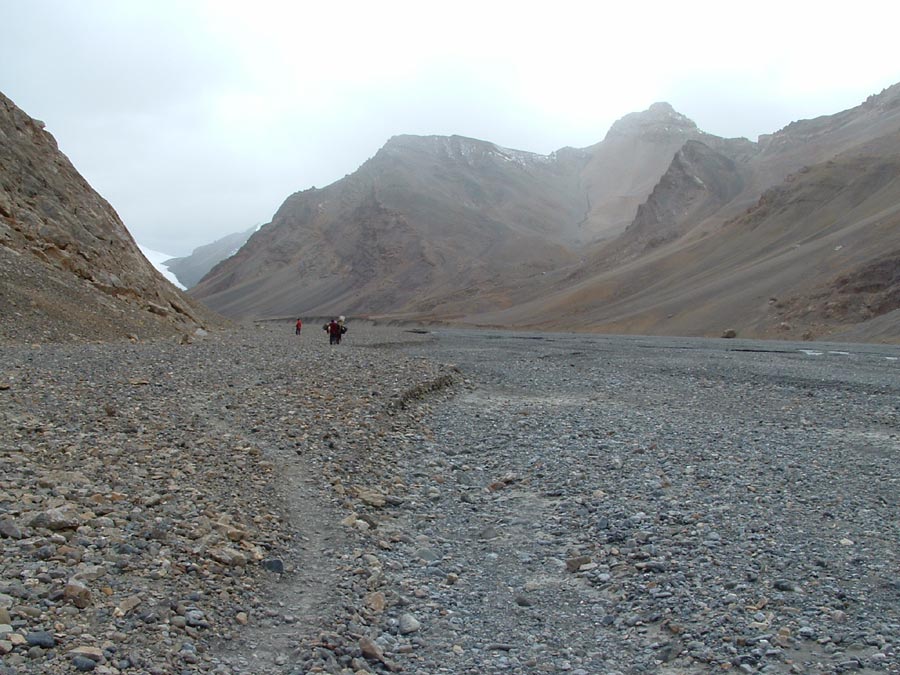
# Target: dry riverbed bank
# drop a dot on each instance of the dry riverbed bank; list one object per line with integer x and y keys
{"x": 256, "y": 503}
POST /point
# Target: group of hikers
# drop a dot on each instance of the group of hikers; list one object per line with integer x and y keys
{"x": 335, "y": 329}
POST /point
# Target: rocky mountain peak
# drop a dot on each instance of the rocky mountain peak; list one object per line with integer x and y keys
{"x": 659, "y": 119}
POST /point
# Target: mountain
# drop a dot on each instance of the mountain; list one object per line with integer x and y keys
{"x": 68, "y": 267}
{"x": 626, "y": 165}
{"x": 427, "y": 221}
{"x": 817, "y": 255}
{"x": 190, "y": 269}
{"x": 659, "y": 228}
{"x": 444, "y": 226}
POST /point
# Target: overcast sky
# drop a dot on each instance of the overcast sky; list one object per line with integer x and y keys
{"x": 196, "y": 119}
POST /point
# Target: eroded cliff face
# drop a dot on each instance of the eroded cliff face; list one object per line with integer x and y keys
{"x": 68, "y": 266}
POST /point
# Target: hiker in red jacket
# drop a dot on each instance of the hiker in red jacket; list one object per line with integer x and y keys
{"x": 298, "y": 327}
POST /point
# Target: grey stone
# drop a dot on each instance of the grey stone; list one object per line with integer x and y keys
{"x": 273, "y": 565}
{"x": 9, "y": 529}
{"x": 40, "y": 638}
{"x": 83, "y": 664}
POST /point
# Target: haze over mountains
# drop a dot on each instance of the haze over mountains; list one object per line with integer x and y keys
{"x": 658, "y": 228}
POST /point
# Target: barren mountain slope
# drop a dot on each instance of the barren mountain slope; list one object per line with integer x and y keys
{"x": 808, "y": 142}
{"x": 68, "y": 267}
{"x": 703, "y": 189}
{"x": 817, "y": 256}
{"x": 426, "y": 218}
{"x": 444, "y": 226}
{"x": 629, "y": 234}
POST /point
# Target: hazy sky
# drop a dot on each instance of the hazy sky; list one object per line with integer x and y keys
{"x": 197, "y": 118}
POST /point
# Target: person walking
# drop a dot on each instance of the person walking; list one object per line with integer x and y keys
{"x": 298, "y": 327}
{"x": 333, "y": 328}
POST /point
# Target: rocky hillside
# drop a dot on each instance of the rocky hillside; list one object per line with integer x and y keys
{"x": 68, "y": 267}
{"x": 638, "y": 233}
{"x": 818, "y": 256}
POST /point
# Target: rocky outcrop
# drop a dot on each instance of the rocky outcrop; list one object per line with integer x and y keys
{"x": 698, "y": 183}
{"x": 68, "y": 266}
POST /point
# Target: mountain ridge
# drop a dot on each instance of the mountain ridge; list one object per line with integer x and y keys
{"x": 448, "y": 228}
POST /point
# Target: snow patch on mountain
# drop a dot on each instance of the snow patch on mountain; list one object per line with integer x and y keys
{"x": 158, "y": 259}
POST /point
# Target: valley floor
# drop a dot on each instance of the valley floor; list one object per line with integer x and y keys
{"x": 452, "y": 502}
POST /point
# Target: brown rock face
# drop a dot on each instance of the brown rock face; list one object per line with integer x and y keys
{"x": 68, "y": 267}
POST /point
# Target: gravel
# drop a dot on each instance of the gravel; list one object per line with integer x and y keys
{"x": 453, "y": 502}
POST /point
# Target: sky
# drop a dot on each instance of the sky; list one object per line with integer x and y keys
{"x": 197, "y": 118}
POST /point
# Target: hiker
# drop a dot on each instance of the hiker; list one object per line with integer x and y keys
{"x": 333, "y": 328}
{"x": 298, "y": 327}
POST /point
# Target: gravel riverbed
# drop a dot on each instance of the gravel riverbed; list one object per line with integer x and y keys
{"x": 449, "y": 502}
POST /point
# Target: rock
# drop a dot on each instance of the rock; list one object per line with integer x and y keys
{"x": 77, "y": 593}
{"x": 786, "y": 585}
{"x": 371, "y": 497}
{"x": 93, "y": 653}
{"x": 428, "y": 555}
{"x": 9, "y": 529}
{"x": 371, "y": 650}
{"x": 273, "y": 565}
{"x": 83, "y": 664}
{"x": 196, "y": 618}
{"x": 729, "y": 333}
{"x": 575, "y": 564}
{"x": 408, "y": 624}
{"x": 228, "y": 556}
{"x": 40, "y": 638}
{"x": 128, "y": 604}
{"x": 375, "y": 601}
{"x": 60, "y": 518}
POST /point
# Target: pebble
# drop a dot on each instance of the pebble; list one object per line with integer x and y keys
{"x": 40, "y": 639}
{"x": 83, "y": 664}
